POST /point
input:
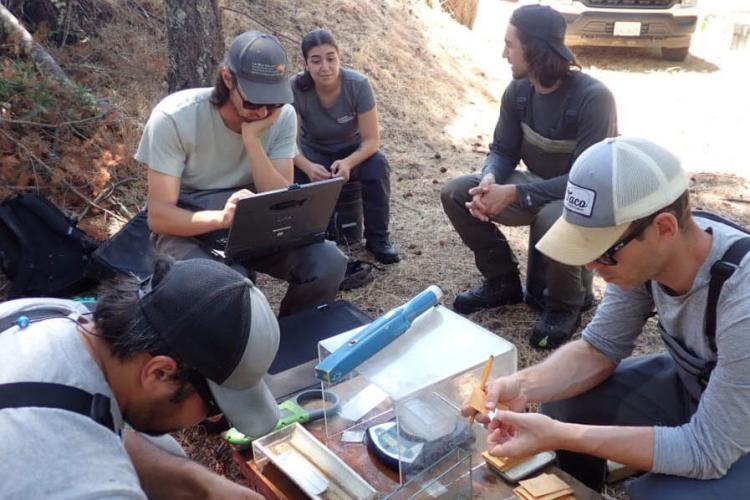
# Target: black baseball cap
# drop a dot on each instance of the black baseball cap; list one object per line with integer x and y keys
{"x": 215, "y": 321}
{"x": 260, "y": 64}
{"x": 543, "y": 23}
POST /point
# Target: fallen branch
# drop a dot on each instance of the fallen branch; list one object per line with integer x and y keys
{"x": 145, "y": 13}
{"x": 57, "y": 125}
{"x": 106, "y": 193}
{"x": 19, "y": 188}
{"x": 17, "y": 33}
{"x": 737, "y": 200}
{"x": 64, "y": 181}
{"x": 66, "y": 22}
{"x": 256, "y": 21}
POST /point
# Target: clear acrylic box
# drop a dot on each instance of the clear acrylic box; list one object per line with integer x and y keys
{"x": 415, "y": 388}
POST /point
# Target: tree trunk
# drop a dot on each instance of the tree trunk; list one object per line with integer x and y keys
{"x": 195, "y": 43}
{"x": 12, "y": 30}
{"x": 463, "y": 11}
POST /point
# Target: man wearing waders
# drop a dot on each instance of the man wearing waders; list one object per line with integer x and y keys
{"x": 550, "y": 113}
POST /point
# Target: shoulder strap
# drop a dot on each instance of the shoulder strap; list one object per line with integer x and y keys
{"x": 26, "y": 315}
{"x": 523, "y": 94}
{"x": 703, "y": 214}
{"x": 64, "y": 397}
{"x": 650, "y": 292}
{"x": 48, "y": 394}
{"x": 575, "y": 98}
{"x": 721, "y": 271}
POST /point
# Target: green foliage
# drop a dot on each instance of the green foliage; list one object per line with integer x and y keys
{"x": 24, "y": 91}
{"x": 23, "y": 88}
{"x": 84, "y": 98}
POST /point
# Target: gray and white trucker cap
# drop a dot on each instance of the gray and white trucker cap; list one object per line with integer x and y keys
{"x": 611, "y": 184}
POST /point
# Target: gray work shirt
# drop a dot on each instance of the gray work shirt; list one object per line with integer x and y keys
{"x": 335, "y": 128}
{"x": 595, "y": 121}
{"x": 717, "y": 434}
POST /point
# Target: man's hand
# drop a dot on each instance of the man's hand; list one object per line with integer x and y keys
{"x": 492, "y": 200}
{"x": 227, "y": 215}
{"x": 317, "y": 172}
{"x": 505, "y": 390}
{"x": 515, "y": 434}
{"x": 256, "y": 128}
{"x": 475, "y": 206}
{"x": 341, "y": 168}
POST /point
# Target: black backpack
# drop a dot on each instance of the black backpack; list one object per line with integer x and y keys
{"x": 42, "y": 252}
{"x": 129, "y": 252}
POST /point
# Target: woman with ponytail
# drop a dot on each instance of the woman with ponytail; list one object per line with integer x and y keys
{"x": 339, "y": 136}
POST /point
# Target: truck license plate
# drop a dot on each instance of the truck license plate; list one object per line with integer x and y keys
{"x": 624, "y": 28}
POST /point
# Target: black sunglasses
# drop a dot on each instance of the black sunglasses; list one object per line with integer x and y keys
{"x": 251, "y": 106}
{"x": 200, "y": 385}
{"x": 608, "y": 257}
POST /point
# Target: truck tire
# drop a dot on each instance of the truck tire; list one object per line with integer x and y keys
{"x": 674, "y": 54}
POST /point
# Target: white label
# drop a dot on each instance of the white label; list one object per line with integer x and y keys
{"x": 626, "y": 28}
{"x": 579, "y": 200}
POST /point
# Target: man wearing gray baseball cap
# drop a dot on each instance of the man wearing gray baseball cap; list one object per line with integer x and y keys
{"x": 194, "y": 339}
{"x": 208, "y": 148}
{"x": 549, "y": 114}
{"x": 681, "y": 416}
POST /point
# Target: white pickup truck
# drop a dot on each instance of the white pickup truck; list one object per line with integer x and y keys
{"x": 666, "y": 24}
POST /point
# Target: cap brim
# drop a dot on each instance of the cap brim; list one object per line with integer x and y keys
{"x": 577, "y": 245}
{"x": 253, "y": 411}
{"x": 563, "y": 51}
{"x": 267, "y": 93}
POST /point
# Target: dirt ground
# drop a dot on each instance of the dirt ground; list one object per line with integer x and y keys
{"x": 438, "y": 86}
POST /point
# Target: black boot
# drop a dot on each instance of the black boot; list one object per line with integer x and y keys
{"x": 492, "y": 293}
{"x": 384, "y": 251}
{"x": 536, "y": 301}
{"x": 554, "y": 328}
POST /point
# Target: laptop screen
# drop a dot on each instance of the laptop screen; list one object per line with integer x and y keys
{"x": 278, "y": 220}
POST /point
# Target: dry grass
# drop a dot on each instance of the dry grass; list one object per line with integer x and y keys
{"x": 438, "y": 88}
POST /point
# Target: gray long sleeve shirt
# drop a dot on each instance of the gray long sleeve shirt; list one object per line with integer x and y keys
{"x": 717, "y": 434}
{"x": 596, "y": 120}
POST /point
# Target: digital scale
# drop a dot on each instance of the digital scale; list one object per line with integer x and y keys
{"x": 427, "y": 429}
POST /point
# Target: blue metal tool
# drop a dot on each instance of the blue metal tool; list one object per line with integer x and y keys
{"x": 376, "y": 336}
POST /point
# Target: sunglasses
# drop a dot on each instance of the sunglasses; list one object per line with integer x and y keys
{"x": 251, "y": 106}
{"x": 608, "y": 257}
{"x": 200, "y": 385}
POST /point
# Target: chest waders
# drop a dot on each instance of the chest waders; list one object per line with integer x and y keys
{"x": 693, "y": 370}
{"x": 552, "y": 156}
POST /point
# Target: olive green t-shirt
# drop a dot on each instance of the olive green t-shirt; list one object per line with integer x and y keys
{"x": 185, "y": 137}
